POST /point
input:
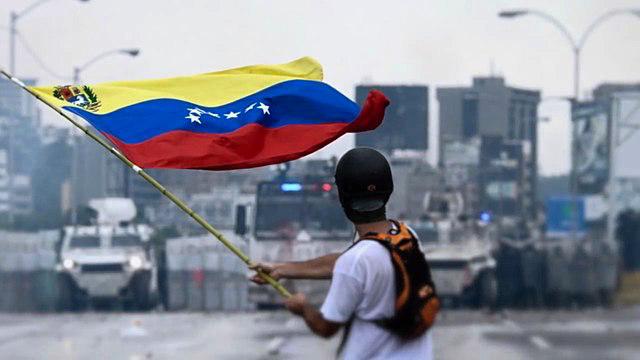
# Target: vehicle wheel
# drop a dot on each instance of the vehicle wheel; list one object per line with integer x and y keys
{"x": 65, "y": 293}
{"x": 606, "y": 298}
{"x": 103, "y": 304}
{"x": 457, "y": 302}
{"x": 552, "y": 299}
{"x": 487, "y": 290}
{"x": 70, "y": 298}
{"x": 140, "y": 289}
{"x": 128, "y": 305}
{"x": 469, "y": 297}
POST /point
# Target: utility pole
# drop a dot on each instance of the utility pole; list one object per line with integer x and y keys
{"x": 577, "y": 44}
{"x": 10, "y": 151}
{"x": 74, "y": 163}
{"x": 13, "y": 18}
{"x": 611, "y": 183}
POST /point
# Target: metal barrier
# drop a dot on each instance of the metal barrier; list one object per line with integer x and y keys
{"x": 583, "y": 277}
{"x": 509, "y": 276}
{"x": 606, "y": 272}
{"x": 558, "y": 278}
{"x": 203, "y": 276}
{"x": 27, "y": 274}
{"x": 532, "y": 276}
{"x": 580, "y": 273}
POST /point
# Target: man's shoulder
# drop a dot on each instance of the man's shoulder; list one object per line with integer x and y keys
{"x": 360, "y": 253}
{"x": 365, "y": 248}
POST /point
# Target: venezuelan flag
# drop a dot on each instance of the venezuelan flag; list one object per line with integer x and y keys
{"x": 239, "y": 118}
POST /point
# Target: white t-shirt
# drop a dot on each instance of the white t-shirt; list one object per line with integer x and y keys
{"x": 364, "y": 283}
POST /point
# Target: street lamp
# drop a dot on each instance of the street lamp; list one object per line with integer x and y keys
{"x": 13, "y": 20}
{"x": 576, "y": 44}
{"x": 76, "y": 79}
{"x": 78, "y": 69}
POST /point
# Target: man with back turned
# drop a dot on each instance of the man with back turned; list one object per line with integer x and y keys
{"x": 381, "y": 295}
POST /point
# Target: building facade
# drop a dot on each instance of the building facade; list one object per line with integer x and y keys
{"x": 96, "y": 173}
{"x": 19, "y": 148}
{"x": 406, "y": 121}
{"x": 481, "y": 126}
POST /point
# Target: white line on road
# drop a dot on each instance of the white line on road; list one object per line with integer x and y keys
{"x": 291, "y": 323}
{"x": 513, "y": 326}
{"x": 274, "y": 345}
{"x": 540, "y": 342}
{"x": 536, "y": 340}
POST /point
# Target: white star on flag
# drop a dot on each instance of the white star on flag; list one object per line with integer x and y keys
{"x": 196, "y": 110}
{"x": 195, "y": 118}
{"x": 250, "y": 107}
{"x": 194, "y": 115}
{"x": 264, "y": 108}
{"x": 232, "y": 115}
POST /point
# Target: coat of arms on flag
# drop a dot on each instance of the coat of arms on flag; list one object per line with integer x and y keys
{"x": 83, "y": 97}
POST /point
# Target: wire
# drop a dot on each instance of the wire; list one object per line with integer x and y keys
{"x": 41, "y": 63}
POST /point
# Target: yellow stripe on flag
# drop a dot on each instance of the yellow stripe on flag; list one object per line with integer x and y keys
{"x": 209, "y": 89}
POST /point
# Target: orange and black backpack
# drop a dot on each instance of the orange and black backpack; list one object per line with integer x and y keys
{"x": 417, "y": 302}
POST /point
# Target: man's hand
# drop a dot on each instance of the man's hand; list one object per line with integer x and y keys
{"x": 296, "y": 303}
{"x": 275, "y": 270}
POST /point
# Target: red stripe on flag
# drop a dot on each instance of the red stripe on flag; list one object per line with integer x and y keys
{"x": 250, "y": 146}
{"x": 372, "y": 112}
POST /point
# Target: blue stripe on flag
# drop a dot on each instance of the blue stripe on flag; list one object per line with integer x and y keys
{"x": 293, "y": 102}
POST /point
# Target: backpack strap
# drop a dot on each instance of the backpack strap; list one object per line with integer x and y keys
{"x": 373, "y": 236}
{"x": 345, "y": 335}
{"x": 396, "y": 240}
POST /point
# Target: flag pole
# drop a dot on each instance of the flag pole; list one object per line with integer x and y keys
{"x": 181, "y": 204}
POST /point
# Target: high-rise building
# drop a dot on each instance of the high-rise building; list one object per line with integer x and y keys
{"x": 19, "y": 147}
{"x": 484, "y": 128}
{"x": 488, "y": 107}
{"x": 406, "y": 121}
{"x": 5, "y": 179}
{"x": 50, "y": 178}
{"x": 603, "y": 92}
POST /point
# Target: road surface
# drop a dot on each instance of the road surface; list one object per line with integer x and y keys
{"x": 592, "y": 334}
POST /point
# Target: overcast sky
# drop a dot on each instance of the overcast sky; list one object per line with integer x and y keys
{"x": 436, "y": 43}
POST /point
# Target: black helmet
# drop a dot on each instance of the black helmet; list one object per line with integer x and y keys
{"x": 364, "y": 181}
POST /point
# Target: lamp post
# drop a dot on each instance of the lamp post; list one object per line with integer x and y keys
{"x": 14, "y": 16}
{"x": 13, "y": 31}
{"x": 577, "y": 44}
{"x": 77, "y": 70}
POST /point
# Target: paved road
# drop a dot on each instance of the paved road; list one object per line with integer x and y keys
{"x": 594, "y": 334}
